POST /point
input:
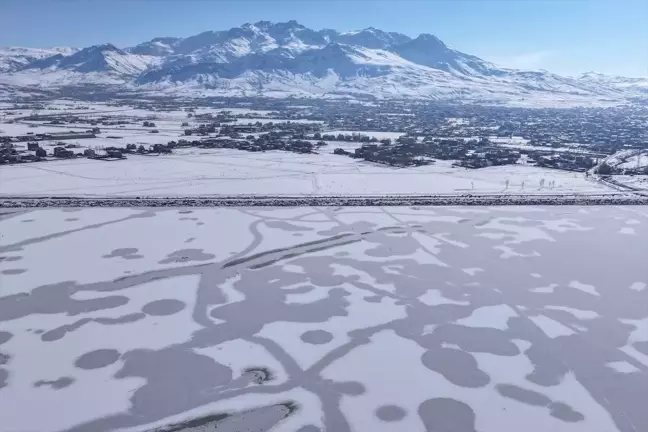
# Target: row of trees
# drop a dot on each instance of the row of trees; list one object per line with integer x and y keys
{"x": 356, "y": 137}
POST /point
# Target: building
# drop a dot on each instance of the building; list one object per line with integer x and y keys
{"x": 245, "y": 128}
{"x": 61, "y": 152}
{"x": 70, "y": 135}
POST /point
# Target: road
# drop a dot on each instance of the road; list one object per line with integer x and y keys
{"x": 323, "y": 200}
{"x": 609, "y": 180}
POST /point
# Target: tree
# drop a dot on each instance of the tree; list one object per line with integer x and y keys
{"x": 604, "y": 169}
{"x": 141, "y": 149}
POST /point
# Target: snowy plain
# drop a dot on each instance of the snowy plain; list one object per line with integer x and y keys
{"x": 226, "y": 171}
{"x": 230, "y": 172}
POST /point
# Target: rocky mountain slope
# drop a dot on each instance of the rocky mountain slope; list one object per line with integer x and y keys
{"x": 289, "y": 59}
{"x": 15, "y": 58}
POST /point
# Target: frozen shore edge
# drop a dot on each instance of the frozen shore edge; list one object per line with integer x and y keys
{"x": 319, "y": 201}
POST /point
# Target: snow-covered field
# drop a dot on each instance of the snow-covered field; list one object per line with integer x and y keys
{"x": 120, "y": 137}
{"x": 637, "y": 161}
{"x": 167, "y": 123}
{"x": 302, "y": 319}
{"x": 637, "y": 181}
{"x": 223, "y": 172}
{"x": 628, "y": 159}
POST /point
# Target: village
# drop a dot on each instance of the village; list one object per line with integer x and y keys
{"x": 391, "y": 133}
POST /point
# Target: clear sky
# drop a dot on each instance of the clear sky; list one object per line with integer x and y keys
{"x": 563, "y": 36}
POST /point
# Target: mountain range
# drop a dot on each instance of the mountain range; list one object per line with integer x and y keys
{"x": 289, "y": 59}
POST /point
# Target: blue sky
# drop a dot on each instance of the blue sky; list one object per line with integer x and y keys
{"x": 563, "y": 36}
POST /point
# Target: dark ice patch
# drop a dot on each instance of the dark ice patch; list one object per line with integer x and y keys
{"x": 352, "y": 228}
{"x": 261, "y": 419}
{"x": 60, "y": 332}
{"x": 390, "y": 413}
{"x": 447, "y": 415}
{"x": 10, "y": 258}
{"x": 4, "y": 375}
{"x": 13, "y": 271}
{"x": 204, "y": 423}
{"x": 309, "y": 428}
{"x": 456, "y": 366}
{"x": 523, "y": 395}
{"x": 124, "y": 319}
{"x": 565, "y": 413}
{"x": 55, "y": 384}
{"x": 163, "y": 307}
{"x": 286, "y": 226}
{"x": 186, "y": 255}
{"x": 126, "y": 253}
{"x": 350, "y": 388}
{"x": 316, "y": 337}
{"x": 641, "y": 346}
{"x": 5, "y": 337}
{"x": 198, "y": 376}
{"x": 97, "y": 359}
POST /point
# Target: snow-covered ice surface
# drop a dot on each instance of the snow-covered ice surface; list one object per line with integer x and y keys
{"x": 220, "y": 172}
{"x": 336, "y": 319}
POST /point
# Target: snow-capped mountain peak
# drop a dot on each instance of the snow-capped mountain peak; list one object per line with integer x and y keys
{"x": 288, "y": 58}
{"x": 430, "y": 51}
{"x": 372, "y": 38}
{"x": 97, "y": 58}
{"x": 160, "y": 46}
{"x": 428, "y": 40}
{"x": 14, "y": 58}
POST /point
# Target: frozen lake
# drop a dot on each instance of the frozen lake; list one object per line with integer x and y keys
{"x": 338, "y": 319}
